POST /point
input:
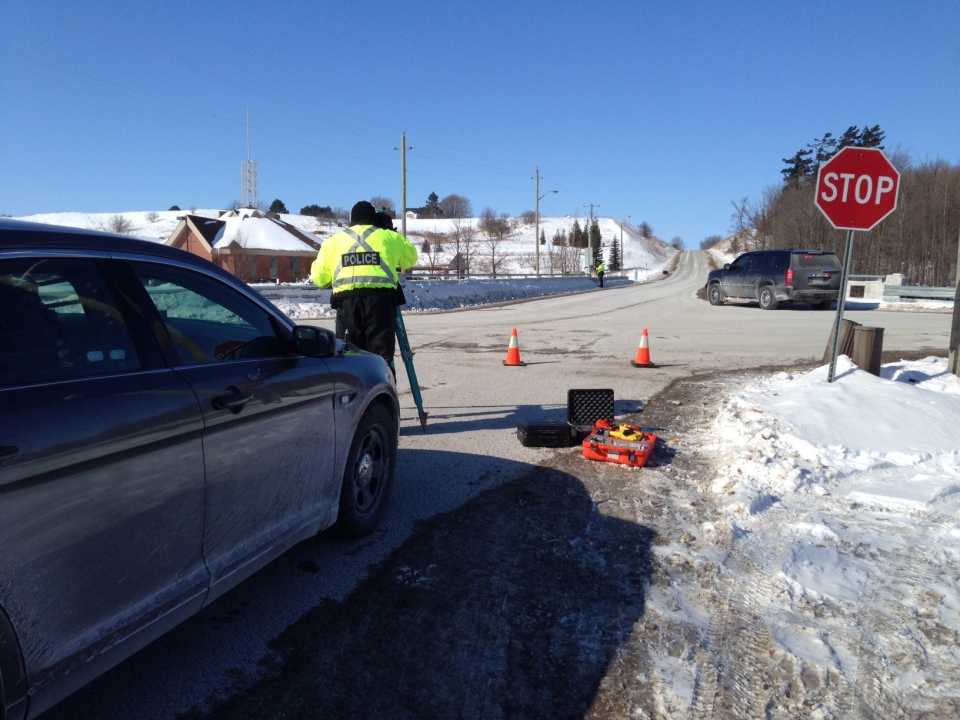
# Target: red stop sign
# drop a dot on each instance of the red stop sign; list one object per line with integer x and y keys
{"x": 857, "y": 188}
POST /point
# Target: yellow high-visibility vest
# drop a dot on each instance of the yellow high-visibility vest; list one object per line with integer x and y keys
{"x": 362, "y": 257}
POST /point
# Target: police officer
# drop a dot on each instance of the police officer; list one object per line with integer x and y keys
{"x": 600, "y": 270}
{"x": 360, "y": 263}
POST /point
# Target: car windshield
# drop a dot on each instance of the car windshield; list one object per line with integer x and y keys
{"x": 825, "y": 261}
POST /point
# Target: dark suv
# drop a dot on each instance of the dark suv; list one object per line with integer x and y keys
{"x": 774, "y": 276}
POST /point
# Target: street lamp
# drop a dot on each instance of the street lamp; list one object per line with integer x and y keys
{"x": 536, "y": 215}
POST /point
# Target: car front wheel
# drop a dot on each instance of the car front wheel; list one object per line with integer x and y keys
{"x": 768, "y": 301}
{"x": 368, "y": 476}
{"x": 823, "y": 304}
{"x": 715, "y": 295}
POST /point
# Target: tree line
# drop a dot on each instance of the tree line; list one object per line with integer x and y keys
{"x": 919, "y": 239}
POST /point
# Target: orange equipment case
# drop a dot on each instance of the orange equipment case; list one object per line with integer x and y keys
{"x": 607, "y": 443}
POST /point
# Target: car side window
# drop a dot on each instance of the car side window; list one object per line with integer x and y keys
{"x": 755, "y": 262}
{"x": 59, "y": 320}
{"x": 739, "y": 264}
{"x": 206, "y": 319}
{"x": 777, "y": 261}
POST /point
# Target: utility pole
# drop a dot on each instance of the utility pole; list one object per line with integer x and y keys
{"x": 403, "y": 182}
{"x": 592, "y": 259}
{"x": 953, "y": 362}
{"x": 536, "y": 215}
{"x": 536, "y": 222}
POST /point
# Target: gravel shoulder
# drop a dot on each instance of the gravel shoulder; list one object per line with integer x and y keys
{"x": 582, "y": 589}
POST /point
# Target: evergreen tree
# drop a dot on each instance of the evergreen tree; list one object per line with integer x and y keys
{"x": 851, "y": 136}
{"x": 432, "y": 208}
{"x": 615, "y": 262}
{"x": 799, "y": 167}
{"x": 277, "y": 206}
{"x": 872, "y": 137}
{"x": 576, "y": 235}
{"x": 543, "y": 237}
{"x": 595, "y": 241}
{"x": 560, "y": 238}
{"x": 174, "y": 208}
{"x": 823, "y": 149}
{"x": 316, "y": 211}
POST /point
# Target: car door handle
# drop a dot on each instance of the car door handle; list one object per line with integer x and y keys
{"x": 8, "y": 452}
{"x": 234, "y": 399}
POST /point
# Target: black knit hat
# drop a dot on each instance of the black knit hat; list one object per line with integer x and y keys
{"x": 384, "y": 220}
{"x": 363, "y": 213}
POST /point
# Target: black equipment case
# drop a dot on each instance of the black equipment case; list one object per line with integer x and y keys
{"x": 546, "y": 433}
{"x": 584, "y": 408}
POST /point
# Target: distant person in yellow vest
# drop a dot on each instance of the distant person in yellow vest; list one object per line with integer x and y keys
{"x": 600, "y": 270}
{"x": 360, "y": 265}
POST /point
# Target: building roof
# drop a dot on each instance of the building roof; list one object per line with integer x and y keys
{"x": 250, "y": 230}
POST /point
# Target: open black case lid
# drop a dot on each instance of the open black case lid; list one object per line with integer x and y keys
{"x": 585, "y": 407}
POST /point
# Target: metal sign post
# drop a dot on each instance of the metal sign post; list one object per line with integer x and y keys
{"x": 841, "y": 301}
{"x": 856, "y": 189}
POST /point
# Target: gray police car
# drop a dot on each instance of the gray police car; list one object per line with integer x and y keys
{"x": 164, "y": 432}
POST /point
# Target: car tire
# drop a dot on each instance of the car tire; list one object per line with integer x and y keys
{"x": 368, "y": 475}
{"x": 715, "y": 294}
{"x": 823, "y": 304}
{"x": 768, "y": 300}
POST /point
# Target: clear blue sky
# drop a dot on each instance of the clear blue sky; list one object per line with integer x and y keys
{"x": 660, "y": 111}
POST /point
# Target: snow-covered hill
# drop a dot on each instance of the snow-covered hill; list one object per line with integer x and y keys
{"x": 518, "y": 248}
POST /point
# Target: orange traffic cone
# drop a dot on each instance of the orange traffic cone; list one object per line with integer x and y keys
{"x": 513, "y": 352}
{"x": 643, "y": 352}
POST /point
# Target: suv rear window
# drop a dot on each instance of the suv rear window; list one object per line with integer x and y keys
{"x": 818, "y": 260}
{"x": 777, "y": 261}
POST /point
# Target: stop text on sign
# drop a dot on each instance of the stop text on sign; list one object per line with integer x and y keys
{"x": 857, "y": 188}
{"x": 862, "y": 187}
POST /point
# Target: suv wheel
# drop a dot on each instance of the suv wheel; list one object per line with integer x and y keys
{"x": 714, "y": 294}
{"x": 823, "y": 304}
{"x": 768, "y": 301}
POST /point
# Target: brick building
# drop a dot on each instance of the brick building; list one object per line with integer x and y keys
{"x": 254, "y": 246}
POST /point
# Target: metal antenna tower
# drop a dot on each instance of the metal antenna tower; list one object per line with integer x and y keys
{"x": 248, "y": 176}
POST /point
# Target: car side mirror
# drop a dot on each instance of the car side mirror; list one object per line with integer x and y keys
{"x": 314, "y": 341}
{"x": 726, "y": 266}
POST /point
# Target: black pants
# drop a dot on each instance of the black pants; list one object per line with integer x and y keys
{"x": 372, "y": 323}
{"x": 600, "y": 275}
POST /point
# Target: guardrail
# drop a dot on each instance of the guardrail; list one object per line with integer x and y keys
{"x": 883, "y": 287}
{"x": 919, "y": 291}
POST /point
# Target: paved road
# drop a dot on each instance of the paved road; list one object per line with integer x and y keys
{"x": 581, "y": 341}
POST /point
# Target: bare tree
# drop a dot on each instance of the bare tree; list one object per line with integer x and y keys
{"x": 563, "y": 256}
{"x": 495, "y": 229}
{"x": 432, "y": 249}
{"x": 152, "y": 217}
{"x": 94, "y": 222}
{"x": 677, "y": 242}
{"x": 709, "y": 241}
{"x": 646, "y": 232}
{"x": 120, "y": 225}
{"x": 463, "y": 246}
{"x": 528, "y": 217}
{"x": 456, "y": 206}
{"x": 384, "y": 203}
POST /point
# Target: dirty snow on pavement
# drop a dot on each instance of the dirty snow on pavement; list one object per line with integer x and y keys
{"x": 838, "y": 556}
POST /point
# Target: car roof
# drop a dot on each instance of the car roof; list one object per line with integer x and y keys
{"x": 791, "y": 250}
{"x": 22, "y": 235}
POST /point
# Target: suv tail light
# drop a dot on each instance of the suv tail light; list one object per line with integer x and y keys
{"x": 789, "y": 279}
